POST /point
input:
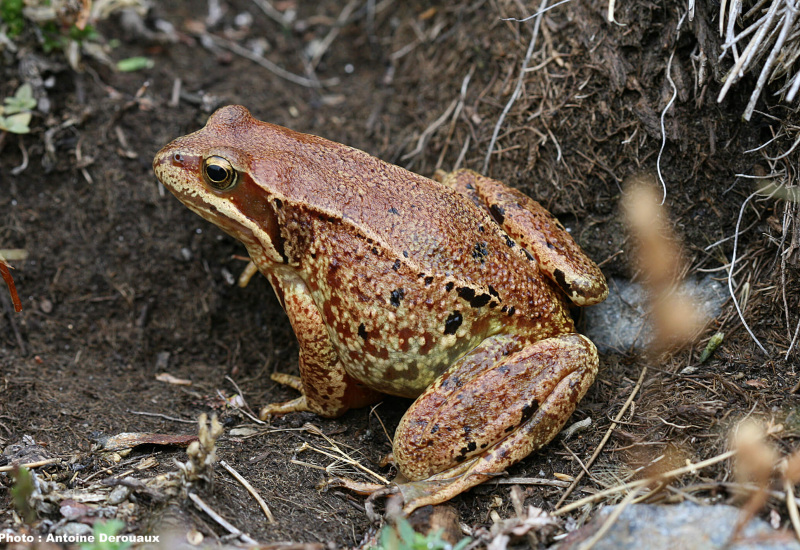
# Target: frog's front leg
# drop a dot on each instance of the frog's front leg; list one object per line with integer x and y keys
{"x": 327, "y": 389}
{"x": 537, "y": 231}
{"x": 488, "y": 411}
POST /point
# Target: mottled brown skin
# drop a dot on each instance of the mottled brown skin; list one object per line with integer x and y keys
{"x": 454, "y": 293}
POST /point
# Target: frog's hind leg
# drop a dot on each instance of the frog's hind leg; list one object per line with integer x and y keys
{"x": 481, "y": 417}
{"x": 327, "y": 389}
{"x": 539, "y": 232}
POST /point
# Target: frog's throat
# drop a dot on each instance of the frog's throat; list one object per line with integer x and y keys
{"x": 224, "y": 213}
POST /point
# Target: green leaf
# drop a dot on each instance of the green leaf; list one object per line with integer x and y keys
{"x": 109, "y": 528}
{"x": 21, "y": 101}
{"x": 16, "y": 124}
{"x": 134, "y": 64}
{"x": 407, "y": 533}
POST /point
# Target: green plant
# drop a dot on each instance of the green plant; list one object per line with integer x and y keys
{"x": 21, "y": 493}
{"x": 15, "y": 114}
{"x": 102, "y": 533}
{"x": 11, "y": 13}
{"x": 55, "y": 38}
{"x": 403, "y": 537}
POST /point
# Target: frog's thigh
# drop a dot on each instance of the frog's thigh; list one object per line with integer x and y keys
{"x": 327, "y": 389}
{"x": 536, "y": 229}
{"x": 458, "y": 433}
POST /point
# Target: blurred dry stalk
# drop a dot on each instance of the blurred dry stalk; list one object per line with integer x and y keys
{"x": 754, "y": 463}
{"x": 772, "y": 32}
{"x": 676, "y": 319}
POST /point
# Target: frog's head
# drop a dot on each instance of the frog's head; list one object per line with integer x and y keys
{"x": 225, "y": 172}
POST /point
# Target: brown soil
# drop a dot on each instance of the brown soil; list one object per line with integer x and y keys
{"x": 122, "y": 282}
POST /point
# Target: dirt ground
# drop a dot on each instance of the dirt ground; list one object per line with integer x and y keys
{"x": 123, "y": 283}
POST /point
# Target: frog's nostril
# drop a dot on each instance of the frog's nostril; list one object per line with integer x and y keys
{"x": 177, "y": 158}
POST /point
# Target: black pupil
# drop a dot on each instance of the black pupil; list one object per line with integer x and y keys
{"x": 216, "y": 173}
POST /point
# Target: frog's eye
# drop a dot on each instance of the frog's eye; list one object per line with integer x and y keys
{"x": 219, "y": 173}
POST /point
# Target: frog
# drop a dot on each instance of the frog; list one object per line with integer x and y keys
{"x": 454, "y": 292}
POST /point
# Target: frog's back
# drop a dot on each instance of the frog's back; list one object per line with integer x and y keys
{"x": 433, "y": 226}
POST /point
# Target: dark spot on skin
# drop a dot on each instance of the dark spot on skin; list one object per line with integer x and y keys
{"x": 466, "y": 293}
{"x": 550, "y": 245}
{"x": 362, "y": 331}
{"x": 509, "y": 242}
{"x": 492, "y": 305}
{"x": 393, "y": 210}
{"x": 504, "y": 309}
{"x": 452, "y": 323}
{"x": 480, "y": 252}
{"x": 481, "y": 229}
{"x": 511, "y": 311}
{"x": 480, "y": 300}
{"x": 509, "y": 429}
{"x": 396, "y": 265}
{"x": 449, "y": 286}
{"x": 464, "y": 451}
{"x": 405, "y": 253}
{"x": 493, "y": 292}
{"x": 528, "y": 255}
{"x": 374, "y": 250}
{"x": 278, "y": 204}
{"x": 396, "y": 296}
{"x": 529, "y": 410}
{"x": 562, "y": 280}
{"x": 435, "y": 428}
{"x": 469, "y": 186}
{"x": 484, "y": 445}
{"x": 502, "y": 369}
{"x": 428, "y": 280}
{"x": 498, "y": 213}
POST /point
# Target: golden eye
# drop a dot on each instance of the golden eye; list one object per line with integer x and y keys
{"x": 219, "y": 173}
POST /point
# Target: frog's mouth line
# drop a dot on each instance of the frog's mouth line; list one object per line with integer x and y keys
{"x": 220, "y": 211}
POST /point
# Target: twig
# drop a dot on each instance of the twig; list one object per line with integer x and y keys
{"x": 456, "y": 114}
{"x": 250, "y": 489}
{"x": 30, "y": 465}
{"x": 429, "y": 130}
{"x": 220, "y": 520}
{"x": 270, "y": 66}
{"x": 164, "y": 416}
{"x": 730, "y": 273}
{"x": 518, "y": 87}
{"x": 791, "y": 506}
{"x": 663, "y": 129}
{"x": 271, "y": 12}
{"x": 333, "y": 33}
{"x": 610, "y": 520}
{"x": 788, "y": 20}
{"x": 528, "y": 481}
{"x": 611, "y": 428}
{"x": 338, "y": 454}
{"x": 794, "y": 340}
{"x": 689, "y": 468}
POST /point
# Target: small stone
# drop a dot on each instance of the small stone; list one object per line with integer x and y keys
{"x": 119, "y": 495}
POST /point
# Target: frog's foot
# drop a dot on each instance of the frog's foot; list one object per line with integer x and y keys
{"x": 473, "y": 423}
{"x": 352, "y": 395}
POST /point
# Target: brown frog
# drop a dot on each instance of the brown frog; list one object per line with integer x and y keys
{"x": 453, "y": 293}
